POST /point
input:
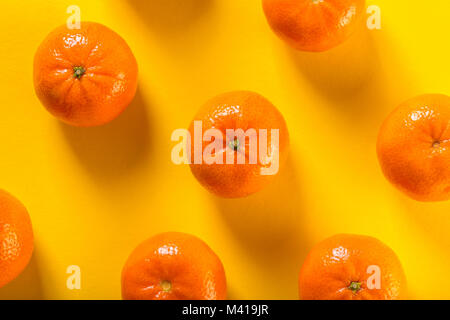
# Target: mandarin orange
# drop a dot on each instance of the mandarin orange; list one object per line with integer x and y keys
{"x": 250, "y": 148}
{"x": 414, "y": 147}
{"x": 314, "y": 25}
{"x": 173, "y": 266}
{"x": 85, "y": 77}
{"x": 352, "y": 267}
{"x": 16, "y": 238}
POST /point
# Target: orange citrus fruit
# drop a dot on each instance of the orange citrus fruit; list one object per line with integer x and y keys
{"x": 256, "y": 157}
{"x": 173, "y": 266}
{"x": 16, "y": 238}
{"x": 351, "y": 267}
{"x": 85, "y": 77}
{"x": 414, "y": 147}
{"x": 313, "y": 25}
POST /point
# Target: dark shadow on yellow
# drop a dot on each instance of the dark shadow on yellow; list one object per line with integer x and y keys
{"x": 230, "y": 293}
{"x": 357, "y": 77}
{"x": 344, "y": 70}
{"x": 111, "y": 150}
{"x": 27, "y": 286}
{"x": 170, "y": 17}
{"x": 431, "y": 218}
{"x": 269, "y": 224}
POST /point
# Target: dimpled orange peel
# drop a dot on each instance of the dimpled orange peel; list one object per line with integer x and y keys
{"x": 173, "y": 266}
{"x": 16, "y": 238}
{"x": 352, "y": 267}
{"x": 85, "y": 77}
{"x": 414, "y": 147}
{"x": 314, "y": 25}
{"x": 249, "y": 112}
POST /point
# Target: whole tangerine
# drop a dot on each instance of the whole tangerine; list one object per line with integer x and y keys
{"x": 352, "y": 267}
{"x": 85, "y": 77}
{"x": 313, "y": 25}
{"x": 250, "y": 146}
{"x": 16, "y": 238}
{"x": 414, "y": 147}
{"x": 173, "y": 266}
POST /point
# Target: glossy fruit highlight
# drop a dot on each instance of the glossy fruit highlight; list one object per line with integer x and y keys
{"x": 16, "y": 238}
{"x": 173, "y": 266}
{"x": 85, "y": 77}
{"x": 414, "y": 147}
{"x": 352, "y": 267}
{"x": 314, "y": 25}
{"x": 261, "y": 158}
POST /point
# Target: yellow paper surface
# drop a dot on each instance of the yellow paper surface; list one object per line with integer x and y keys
{"x": 94, "y": 194}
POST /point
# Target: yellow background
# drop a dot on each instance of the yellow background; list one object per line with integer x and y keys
{"x": 94, "y": 194}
